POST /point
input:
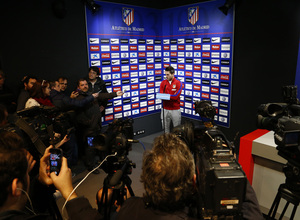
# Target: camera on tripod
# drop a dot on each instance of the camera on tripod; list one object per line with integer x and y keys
{"x": 284, "y": 120}
{"x": 221, "y": 182}
{"x": 118, "y": 138}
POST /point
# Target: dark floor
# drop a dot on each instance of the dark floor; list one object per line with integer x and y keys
{"x": 93, "y": 183}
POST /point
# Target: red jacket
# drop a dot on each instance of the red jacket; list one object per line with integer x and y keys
{"x": 174, "y": 89}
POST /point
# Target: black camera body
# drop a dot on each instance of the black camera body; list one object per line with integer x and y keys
{"x": 221, "y": 182}
{"x": 118, "y": 138}
{"x": 36, "y": 126}
{"x": 284, "y": 120}
{"x": 220, "y": 178}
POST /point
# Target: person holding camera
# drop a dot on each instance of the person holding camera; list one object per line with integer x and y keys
{"x": 15, "y": 166}
{"x": 171, "y": 108}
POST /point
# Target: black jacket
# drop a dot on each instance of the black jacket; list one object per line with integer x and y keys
{"x": 134, "y": 209}
{"x": 98, "y": 86}
{"x": 78, "y": 208}
{"x": 22, "y": 99}
{"x": 64, "y": 102}
{"x": 16, "y": 215}
{"x": 88, "y": 118}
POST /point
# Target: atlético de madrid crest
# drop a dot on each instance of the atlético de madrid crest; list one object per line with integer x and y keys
{"x": 128, "y": 15}
{"x": 193, "y": 14}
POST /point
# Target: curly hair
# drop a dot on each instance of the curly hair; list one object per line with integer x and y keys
{"x": 13, "y": 163}
{"x": 167, "y": 173}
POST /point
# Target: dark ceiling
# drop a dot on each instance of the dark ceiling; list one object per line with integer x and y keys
{"x": 158, "y": 4}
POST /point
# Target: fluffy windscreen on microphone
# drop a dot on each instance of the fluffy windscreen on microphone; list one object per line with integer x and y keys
{"x": 115, "y": 179}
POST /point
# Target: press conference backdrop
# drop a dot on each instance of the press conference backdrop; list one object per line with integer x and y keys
{"x": 133, "y": 45}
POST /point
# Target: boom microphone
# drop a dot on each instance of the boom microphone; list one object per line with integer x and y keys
{"x": 115, "y": 179}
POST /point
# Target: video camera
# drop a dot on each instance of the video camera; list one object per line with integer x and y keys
{"x": 284, "y": 120}
{"x": 41, "y": 117}
{"x": 36, "y": 125}
{"x": 221, "y": 181}
{"x": 117, "y": 138}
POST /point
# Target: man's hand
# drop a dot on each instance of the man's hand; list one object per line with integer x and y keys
{"x": 45, "y": 168}
{"x": 102, "y": 108}
{"x": 63, "y": 182}
{"x": 95, "y": 95}
{"x": 119, "y": 93}
{"x": 56, "y": 135}
{"x": 74, "y": 95}
{"x": 63, "y": 141}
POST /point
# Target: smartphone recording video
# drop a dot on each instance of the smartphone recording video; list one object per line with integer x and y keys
{"x": 55, "y": 160}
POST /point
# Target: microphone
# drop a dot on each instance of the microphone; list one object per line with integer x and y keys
{"x": 117, "y": 176}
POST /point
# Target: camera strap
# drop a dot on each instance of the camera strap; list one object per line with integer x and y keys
{"x": 34, "y": 137}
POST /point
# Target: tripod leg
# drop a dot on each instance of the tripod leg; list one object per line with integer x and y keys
{"x": 274, "y": 206}
{"x": 284, "y": 210}
{"x": 102, "y": 201}
{"x": 127, "y": 182}
{"x": 275, "y": 209}
{"x": 130, "y": 191}
{"x": 294, "y": 212}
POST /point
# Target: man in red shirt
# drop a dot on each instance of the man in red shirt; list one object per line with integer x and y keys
{"x": 171, "y": 108}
